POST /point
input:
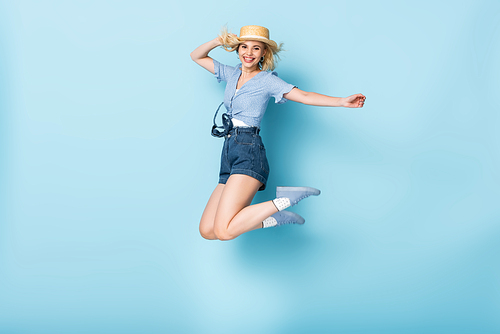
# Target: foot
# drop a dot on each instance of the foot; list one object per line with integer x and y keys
{"x": 287, "y": 217}
{"x": 296, "y": 194}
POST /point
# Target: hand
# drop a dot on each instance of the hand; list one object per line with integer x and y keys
{"x": 354, "y": 101}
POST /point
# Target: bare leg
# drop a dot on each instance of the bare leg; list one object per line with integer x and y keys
{"x": 208, "y": 217}
{"x": 235, "y": 215}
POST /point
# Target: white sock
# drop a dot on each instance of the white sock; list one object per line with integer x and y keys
{"x": 269, "y": 222}
{"x": 281, "y": 203}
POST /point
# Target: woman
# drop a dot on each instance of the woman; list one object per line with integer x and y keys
{"x": 244, "y": 167}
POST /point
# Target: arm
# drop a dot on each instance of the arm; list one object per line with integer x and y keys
{"x": 320, "y": 100}
{"x": 200, "y": 54}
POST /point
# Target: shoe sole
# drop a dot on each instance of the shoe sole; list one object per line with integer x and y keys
{"x": 314, "y": 191}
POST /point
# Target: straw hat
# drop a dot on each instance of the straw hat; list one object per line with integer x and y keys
{"x": 257, "y": 33}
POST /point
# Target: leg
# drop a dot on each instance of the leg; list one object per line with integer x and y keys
{"x": 235, "y": 215}
{"x": 208, "y": 217}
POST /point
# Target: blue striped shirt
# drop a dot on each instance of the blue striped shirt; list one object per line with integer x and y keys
{"x": 250, "y": 104}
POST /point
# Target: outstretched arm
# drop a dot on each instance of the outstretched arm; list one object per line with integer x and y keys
{"x": 320, "y": 100}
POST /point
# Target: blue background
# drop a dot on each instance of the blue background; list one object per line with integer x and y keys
{"x": 107, "y": 164}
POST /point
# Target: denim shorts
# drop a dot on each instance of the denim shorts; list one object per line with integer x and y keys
{"x": 244, "y": 153}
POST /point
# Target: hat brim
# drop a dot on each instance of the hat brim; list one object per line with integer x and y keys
{"x": 263, "y": 40}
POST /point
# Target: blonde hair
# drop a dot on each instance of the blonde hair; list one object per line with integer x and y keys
{"x": 232, "y": 43}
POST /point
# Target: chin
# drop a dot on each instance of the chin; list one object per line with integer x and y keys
{"x": 247, "y": 64}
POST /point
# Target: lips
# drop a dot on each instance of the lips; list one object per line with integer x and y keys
{"x": 248, "y": 60}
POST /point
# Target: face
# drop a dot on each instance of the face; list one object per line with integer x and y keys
{"x": 250, "y": 53}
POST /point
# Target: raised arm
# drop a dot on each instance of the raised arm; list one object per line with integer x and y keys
{"x": 320, "y": 100}
{"x": 200, "y": 54}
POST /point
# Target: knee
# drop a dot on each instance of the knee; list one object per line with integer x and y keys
{"x": 207, "y": 233}
{"x": 208, "y": 236}
{"x": 223, "y": 235}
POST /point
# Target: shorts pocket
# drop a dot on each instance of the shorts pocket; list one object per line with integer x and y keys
{"x": 245, "y": 138}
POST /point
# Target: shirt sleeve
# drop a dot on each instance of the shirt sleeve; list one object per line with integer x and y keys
{"x": 222, "y": 72}
{"x": 278, "y": 87}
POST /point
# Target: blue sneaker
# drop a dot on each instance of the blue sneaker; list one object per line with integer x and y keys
{"x": 296, "y": 194}
{"x": 287, "y": 217}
